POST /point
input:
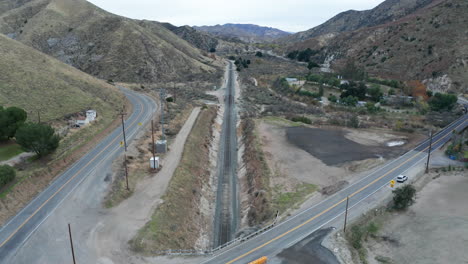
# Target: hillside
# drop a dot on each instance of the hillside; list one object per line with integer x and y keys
{"x": 205, "y": 41}
{"x": 102, "y": 44}
{"x": 389, "y": 10}
{"x": 245, "y": 32}
{"x": 37, "y": 82}
{"x": 429, "y": 45}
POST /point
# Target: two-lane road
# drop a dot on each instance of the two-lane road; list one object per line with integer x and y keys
{"x": 14, "y": 233}
{"x": 295, "y": 228}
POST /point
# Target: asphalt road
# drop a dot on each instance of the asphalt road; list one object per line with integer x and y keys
{"x": 17, "y": 231}
{"x": 300, "y": 226}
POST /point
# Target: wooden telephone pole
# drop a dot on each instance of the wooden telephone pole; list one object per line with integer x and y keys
{"x": 126, "y": 171}
{"x": 346, "y": 214}
{"x": 154, "y": 146}
{"x": 71, "y": 244}
{"x": 122, "y": 114}
{"x": 429, "y": 153}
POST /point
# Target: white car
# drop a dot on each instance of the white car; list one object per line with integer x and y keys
{"x": 401, "y": 178}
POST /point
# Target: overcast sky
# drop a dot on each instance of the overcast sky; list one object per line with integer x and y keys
{"x": 289, "y": 15}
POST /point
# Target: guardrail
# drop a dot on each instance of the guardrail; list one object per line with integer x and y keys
{"x": 193, "y": 252}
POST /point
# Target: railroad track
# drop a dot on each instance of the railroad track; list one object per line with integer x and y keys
{"x": 226, "y": 206}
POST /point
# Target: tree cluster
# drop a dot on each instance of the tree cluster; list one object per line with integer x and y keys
{"x": 38, "y": 138}
{"x": 303, "y": 55}
{"x": 241, "y": 63}
{"x": 11, "y": 119}
{"x": 391, "y": 83}
{"x": 326, "y": 79}
{"x": 351, "y": 71}
{"x": 443, "y": 102}
{"x": 358, "y": 90}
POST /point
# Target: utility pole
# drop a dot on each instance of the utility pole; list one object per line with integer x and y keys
{"x": 71, "y": 243}
{"x": 38, "y": 117}
{"x": 346, "y": 214}
{"x": 122, "y": 114}
{"x": 152, "y": 138}
{"x": 126, "y": 171}
{"x": 162, "y": 95}
{"x": 175, "y": 92}
{"x": 429, "y": 152}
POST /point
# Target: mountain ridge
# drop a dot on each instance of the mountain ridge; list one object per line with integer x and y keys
{"x": 102, "y": 44}
{"x": 249, "y": 33}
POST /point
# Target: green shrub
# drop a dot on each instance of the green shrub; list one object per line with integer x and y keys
{"x": 403, "y": 197}
{"x": 7, "y": 174}
{"x": 301, "y": 119}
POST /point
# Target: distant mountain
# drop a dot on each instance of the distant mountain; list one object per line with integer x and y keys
{"x": 351, "y": 20}
{"x": 428, "y": 45}
{"x": 206, "y": 41}
{"x": 103, "y": 44}
{"x": 245, "y": 32}
{"x": 34, "y": 81}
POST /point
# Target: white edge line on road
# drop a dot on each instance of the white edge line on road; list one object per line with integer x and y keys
{"x": 49, "y": 186}
{"x": 357, "y": 203}
{"x": 336, "y": 194}
{"x": 132, "y": 134}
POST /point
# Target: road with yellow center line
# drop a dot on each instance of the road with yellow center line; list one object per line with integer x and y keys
{"x": 311, "y": 219}
{"x": 15, "y": 232}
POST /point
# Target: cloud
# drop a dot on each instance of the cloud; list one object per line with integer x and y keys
{"x": 291, "y": 15}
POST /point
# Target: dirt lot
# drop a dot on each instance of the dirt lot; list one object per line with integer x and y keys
{"x": 333, "y": 147}
{"x": 320, "y": 156}
{"x": 434, "y": 229}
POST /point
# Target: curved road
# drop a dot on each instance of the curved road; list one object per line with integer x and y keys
{"x": 296, "y": 228}
{"x": 19, "y": 228}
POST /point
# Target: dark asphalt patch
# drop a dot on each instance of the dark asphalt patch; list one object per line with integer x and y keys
{"x": 309, "y": 250}
{"x": 333, "y": 148}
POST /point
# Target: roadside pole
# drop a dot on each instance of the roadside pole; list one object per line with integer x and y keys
{"x": 126, "y": 171}
{"x": 122, "y": 114}
{"x": 346, "y": 214}
{"x": 71, "y": 244}
{"x": 152, "y": 138}
{"x": 429, "y": 153}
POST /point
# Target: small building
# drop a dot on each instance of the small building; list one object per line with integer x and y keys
{"x": 91, "y": 115}
{"x": 361, "y": 103}
{"x": 154, "y": 163}
{"x": 81, "y": 121}
{"x": 291, "y": 80}
{"x": 344, "y": 82}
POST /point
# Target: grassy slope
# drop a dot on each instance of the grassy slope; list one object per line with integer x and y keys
{"x": 34, "y": 81}
{"x": 9, "y": 151}
{"x": 102, "y": 44}
{"x": 174, "y": 224}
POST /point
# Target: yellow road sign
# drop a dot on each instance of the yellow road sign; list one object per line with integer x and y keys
{"x": 121, "y": 143}
{"x": 140, "y": 124}
{"x": 392, "y": 182}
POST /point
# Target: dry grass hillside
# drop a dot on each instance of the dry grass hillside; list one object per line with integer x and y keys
{"x": 103, "y": 44}
{"x": 37, "y": 82}
{"x": 429, "y": 45}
